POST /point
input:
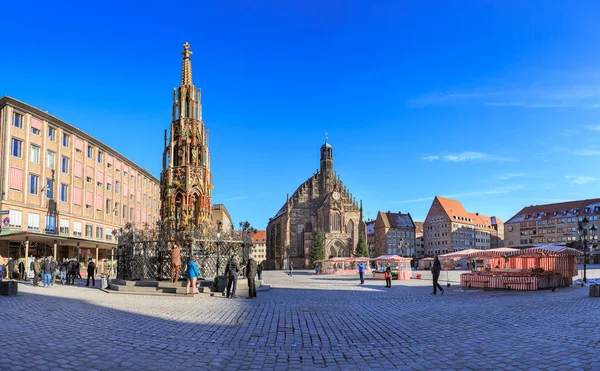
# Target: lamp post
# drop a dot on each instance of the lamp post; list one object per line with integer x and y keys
{"x": 583, "y": 237}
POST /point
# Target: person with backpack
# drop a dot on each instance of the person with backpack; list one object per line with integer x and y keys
{"x": 251, "y": 275}
{"x": 436, "y": 269}
{"x": 47, "y": 272}
{"x": 72, "y": 271}
{"x": 91, "y": 269}
{"x": 388, "y": 276}
{"x": 231, "y": 272}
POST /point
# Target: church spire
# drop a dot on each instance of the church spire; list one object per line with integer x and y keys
{"x": 186, "y": 69}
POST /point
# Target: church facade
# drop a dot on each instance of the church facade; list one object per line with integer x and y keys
{"x": 186, "y": 180}
{"x": 322, "y": 203}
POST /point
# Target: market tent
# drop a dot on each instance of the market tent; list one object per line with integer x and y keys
{"x": 501, "y": 252}
{"x": 554, "y": 258}
{"x": 337, "y": 265}
{"x": 459, "y": 255}
{"x": 404, "y": 271}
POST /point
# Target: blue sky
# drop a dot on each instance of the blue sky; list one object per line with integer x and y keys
{"x": 496, "y": 104}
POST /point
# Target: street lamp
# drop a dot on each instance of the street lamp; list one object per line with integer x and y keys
{"x": 583, "y": 237}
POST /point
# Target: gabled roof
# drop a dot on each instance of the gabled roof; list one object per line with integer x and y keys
{"x": 370, "y": 227}
{"x": 456, "y": 211}
{"x": 259, "y": 236}
{"x": 399, "y": 220}
{"x": 556, "y": 210}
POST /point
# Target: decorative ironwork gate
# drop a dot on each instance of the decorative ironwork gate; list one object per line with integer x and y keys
{"x": 151, "y": 260}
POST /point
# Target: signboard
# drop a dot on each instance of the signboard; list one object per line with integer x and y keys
{"x": 5, "y": 221}
{"x": 4, "y": 212}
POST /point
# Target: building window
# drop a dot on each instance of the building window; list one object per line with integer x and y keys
{"x": 116, "y": 209}
{"x": 33, "y": 222}
{"x": 108, "y": 186}
{"x": 48, "y": 188}
{"x": 15, "y": 218}
{"x": 131, "y": 213}
{"x": 65, "y": 140}
{"x": 63, "y": 192}
{"x": 99, "y": 184}
{"x": 34, "y": 154}
{"x": 117, "y": 186}
{"x": 77, "y": 228}
{"x": 89, "y": 152}
{"x": 124, "y": 211}
{"x": 64, "y": 226}
{"x": 88, "y": 179}
{"x": 99, "y": 233}
{"x": 336, "y": 224}
{"x": 52, "y": 134}
{"x": 18, "y": 120}
{"x": 109, "y": 235}
{"x": 100, "y": 155}
{"x": 50, "y": 159}
{"x": 108, "y": 203}
{"x": 89, "y": 230}
{"x": 17, "y": 145}
{"x": 64, "y": 167}
{"x": 50, "y": 224}
{"x": 34, "y": 182}
{"x": 35, "y": 131}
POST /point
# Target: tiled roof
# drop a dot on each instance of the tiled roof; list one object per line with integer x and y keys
{"x": 259, "y": 237}
{"x": 557, "y": 210}
{"x": 399, "y": 220}
{"x": 455, "y": 210}
{"x": 370, "y": 227}
{"x": 419, "y": 227}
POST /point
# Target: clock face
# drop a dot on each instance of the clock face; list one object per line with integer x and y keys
{"x": 510, "y": 228}
{"x": 336, "y": 196}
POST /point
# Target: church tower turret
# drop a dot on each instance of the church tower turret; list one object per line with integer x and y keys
{"x": 186, "y": 180}
{"x": 327, "y": 178}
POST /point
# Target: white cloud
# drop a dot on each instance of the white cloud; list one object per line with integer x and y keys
{"x": 491, "y": 191}
{"x": 588, "y": 152}
{"x": 581, "y": 179}
{"x": 593, "y": 127}
{"x": 511, "y": 176}
{"x": 240, "y": 198}
{"x": 468, "y": 156}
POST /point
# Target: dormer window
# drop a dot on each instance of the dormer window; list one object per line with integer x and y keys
{"x": 575, "y": 211}
{"x": 536, "y": 215}
{"x": 587, "y": 210}
{"x": 597, "y": 209}
{"x": 555, "y": 213}
{"x": 527, "y": 216}
{"x": 565, "y": 212}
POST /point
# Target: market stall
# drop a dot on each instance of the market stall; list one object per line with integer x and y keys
{"x": 400, "y": 267}
{"x": 425, "y": 263}
{"x": 536, "y": 268}
{"x": 342, "y": 265}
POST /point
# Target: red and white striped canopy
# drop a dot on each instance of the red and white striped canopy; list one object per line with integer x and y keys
{"x": 552, "y": 250}
{"x": 494, "y": 253}
{"x": 458, "y": 255}
{"x": 391, "y": 258}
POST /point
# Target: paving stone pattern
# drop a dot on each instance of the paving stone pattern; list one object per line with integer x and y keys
{"x": 304, "y": 322}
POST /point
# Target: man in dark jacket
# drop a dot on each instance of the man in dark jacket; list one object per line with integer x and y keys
{"x": 21, "y": 270}
{"x": 11, "y": 267}
{"x": 231, "y": 272}
{"x": 62, "y": 269}
{"x": 259, "y": 269}
{"x": 72, "y": 272}
{"x": 37, "y": 270}
{"x": 47, "y": 271}
{"x": 251, "y": 275}
{"x": 435, "y": 272}
{"x": 91, "y": 269}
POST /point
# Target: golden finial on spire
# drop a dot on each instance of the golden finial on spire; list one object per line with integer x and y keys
{"x": 186, "y": 70}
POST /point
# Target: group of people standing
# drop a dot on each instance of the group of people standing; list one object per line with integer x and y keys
{"x": 46, "y": 270}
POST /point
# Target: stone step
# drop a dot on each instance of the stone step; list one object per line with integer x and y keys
{"x": 180, "y": 290}
{"x": 134, "y": 283}
{"x": 124, "y": 288}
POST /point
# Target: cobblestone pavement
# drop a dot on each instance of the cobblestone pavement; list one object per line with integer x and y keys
{"x": 304, "y": 322}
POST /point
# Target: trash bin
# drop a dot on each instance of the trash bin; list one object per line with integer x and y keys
{"x": 103, "y": 281}
{"x": 9, "y": 288}
{"x": 595, "y": 291}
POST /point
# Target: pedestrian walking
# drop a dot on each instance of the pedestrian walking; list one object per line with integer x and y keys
{"x": 62, "y": 270}
{"x": 72, "y": 272}
{"x": 191, "y": 274}
{"x": 317, "y": 268}
{"x": 55, "y": 267}
{"x": 21, "y": 269}
{"x": 250, "y": 275}
{"x": 259, "y": 270}
{"x": 10, "y": 267}
{"x": 175, "y": 262}
{"x": 436, "y": 269}
{"x": 291, "y": 269}
{"x": 91, "y": 269}
{"x": 36, "y": 267}
{"x": 78, "y": 270}
{"x": 231, "y": 272}
{"x": 361, "y": 272}
{"x": 388, "y": 276}
{"x": 47, "y": 272}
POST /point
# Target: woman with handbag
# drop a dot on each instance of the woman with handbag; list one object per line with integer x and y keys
{"x": 388, "y": 276}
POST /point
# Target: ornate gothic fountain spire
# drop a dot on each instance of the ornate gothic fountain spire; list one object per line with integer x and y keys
{"x": 186, "y": 68}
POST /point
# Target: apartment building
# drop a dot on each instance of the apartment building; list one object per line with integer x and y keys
{"x": 419, "y": 240}
{"x": 63, "y": 192}
{"x": 259, "y": 245}
{"x": 370, "y": 226}
{"x": 550, "y": 223}
{"x": 394, "y": 234}
{"x": 449, "y": 227}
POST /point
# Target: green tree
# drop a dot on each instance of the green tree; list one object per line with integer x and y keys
{"x": 318, "y": 248}
{"x": 361, "y": 247}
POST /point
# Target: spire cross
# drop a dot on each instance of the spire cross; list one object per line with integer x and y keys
{"x": 186, "y": 50}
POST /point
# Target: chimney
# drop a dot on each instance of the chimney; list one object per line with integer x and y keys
{"x": 477, "y": 214}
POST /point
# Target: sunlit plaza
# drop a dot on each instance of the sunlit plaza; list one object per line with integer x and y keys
{"x": 305, "y": 322}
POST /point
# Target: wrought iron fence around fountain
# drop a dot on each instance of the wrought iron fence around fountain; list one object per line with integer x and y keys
{"x": 151, "y": 260}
